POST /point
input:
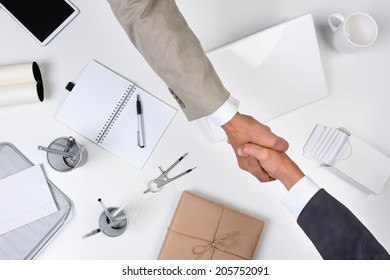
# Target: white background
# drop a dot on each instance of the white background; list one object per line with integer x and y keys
{"x": 359, "y": 100}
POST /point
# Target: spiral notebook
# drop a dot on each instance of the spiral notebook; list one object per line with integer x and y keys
{"x": 101, "y": 105}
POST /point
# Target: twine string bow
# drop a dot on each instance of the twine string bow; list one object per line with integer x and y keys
{"x": 214, "y": 244}
{"x": 200, "y": 250}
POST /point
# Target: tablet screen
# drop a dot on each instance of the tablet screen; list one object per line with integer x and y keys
{"x": 40, "y": 17}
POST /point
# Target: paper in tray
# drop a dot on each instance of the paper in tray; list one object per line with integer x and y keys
{"x": 25, "y": 242}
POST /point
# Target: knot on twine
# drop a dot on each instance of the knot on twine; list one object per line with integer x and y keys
{"x": 200, "y": 250}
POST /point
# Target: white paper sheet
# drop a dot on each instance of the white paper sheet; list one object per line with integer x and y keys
{"x": 24, "y": 197}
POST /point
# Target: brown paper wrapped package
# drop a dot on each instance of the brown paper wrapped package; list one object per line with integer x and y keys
{"x": 202, "y": 229}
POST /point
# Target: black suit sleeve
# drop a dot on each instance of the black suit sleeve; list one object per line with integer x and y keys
{"x": 336, "y": 232}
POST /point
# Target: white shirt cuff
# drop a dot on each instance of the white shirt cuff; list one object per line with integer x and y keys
{"x": 299, "y": 195}
{"x": 224, "y": 113}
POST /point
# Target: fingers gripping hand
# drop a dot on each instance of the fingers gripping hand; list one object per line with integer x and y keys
{"x": 276, "y": 164}
{"x": 252, "y": 165}
{"x": 245, "y": 129}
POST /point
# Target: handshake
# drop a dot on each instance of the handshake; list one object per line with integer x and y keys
{"x": 260, "y": 152}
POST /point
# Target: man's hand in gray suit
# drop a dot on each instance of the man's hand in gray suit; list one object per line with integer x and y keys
{"x": 275, "y": 164}
{"x": 242, "y": 129}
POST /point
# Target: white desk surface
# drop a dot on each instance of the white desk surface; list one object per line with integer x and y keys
{"x": 359, "y": 87}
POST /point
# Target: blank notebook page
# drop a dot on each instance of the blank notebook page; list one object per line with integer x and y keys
{"x": 122, "y": 137}
{"x": 92, "y": 100}
{"x": 24, "y": 198}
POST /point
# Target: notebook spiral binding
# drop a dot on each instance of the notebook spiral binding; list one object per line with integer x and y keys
{"x": 115, "y": 114}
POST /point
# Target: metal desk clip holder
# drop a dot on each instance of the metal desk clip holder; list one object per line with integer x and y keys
{"x": 155, "y": 185}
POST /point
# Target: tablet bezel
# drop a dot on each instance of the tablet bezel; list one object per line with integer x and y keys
{"x": 55, "y": 32}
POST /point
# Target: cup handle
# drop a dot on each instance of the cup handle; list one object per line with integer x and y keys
{"x": 339, "y": 20}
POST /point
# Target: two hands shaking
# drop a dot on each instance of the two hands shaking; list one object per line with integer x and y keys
{"x": 260, "y": 152}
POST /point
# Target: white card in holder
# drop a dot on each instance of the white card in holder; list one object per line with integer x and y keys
{"x": 348, "y": 157}
{"x": 326, "y": 145}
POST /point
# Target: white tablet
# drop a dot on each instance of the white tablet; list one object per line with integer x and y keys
{"x": 42, "y": 19}
{"x": 274, "y": 71}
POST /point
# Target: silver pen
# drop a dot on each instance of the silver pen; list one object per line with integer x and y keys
{"x": 54, "y": 151}
{"x": 96, "y": 231}
{"x": 108, "y": 214}
{"x": 140, "y": 132}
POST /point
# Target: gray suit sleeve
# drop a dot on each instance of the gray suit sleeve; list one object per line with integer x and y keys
{"x": 161, "y": 34}
{"x": 336, "y": 232}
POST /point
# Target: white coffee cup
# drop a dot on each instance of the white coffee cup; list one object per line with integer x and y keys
{"x": 354, "y": 32}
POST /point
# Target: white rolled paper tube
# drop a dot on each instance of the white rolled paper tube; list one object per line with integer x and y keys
{"x": 20, "y": 83}
{"x": 18, "y": 94}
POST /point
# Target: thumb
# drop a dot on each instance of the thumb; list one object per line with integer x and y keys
{"x": 241, "y": 152}
{"x": 281, "y": 144}
{"x": 252, "y": 150}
